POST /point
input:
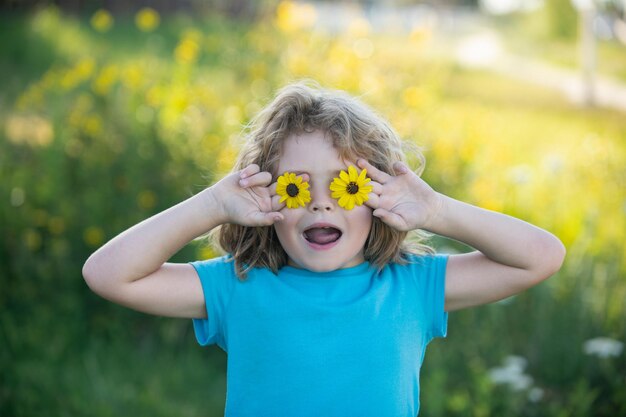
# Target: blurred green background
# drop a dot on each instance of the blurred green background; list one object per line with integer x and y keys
{"x": 109, "y": 116}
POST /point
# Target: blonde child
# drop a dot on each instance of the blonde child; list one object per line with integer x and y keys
{"x": 323, "y": 307}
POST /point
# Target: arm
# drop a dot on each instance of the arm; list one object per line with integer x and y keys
{"x": 511, "y": 255}
{"x": 131, "y": 269}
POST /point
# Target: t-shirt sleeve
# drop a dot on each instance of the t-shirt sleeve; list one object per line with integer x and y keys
{"x": 218, "y": 279}
{"x": 430, "y": 275}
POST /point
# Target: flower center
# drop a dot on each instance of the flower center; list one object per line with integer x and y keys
{"x": 292, "y": 190}
{"x": 352, "y": 188}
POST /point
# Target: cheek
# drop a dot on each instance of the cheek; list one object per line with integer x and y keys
{"x": 361, "y": 220}
{"x": 284, "y": 229}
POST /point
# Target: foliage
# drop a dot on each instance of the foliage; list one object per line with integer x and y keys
{"x": 103, "y": 128}
{"x": 562, "y": 18}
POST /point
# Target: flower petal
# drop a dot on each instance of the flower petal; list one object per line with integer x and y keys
{"x": 343, "y": 200}
{"x": 340, "y": 182}
{"x": 338, "y": 187}
{"x": 354, "y": 176}
{"x": 306, "y": 195}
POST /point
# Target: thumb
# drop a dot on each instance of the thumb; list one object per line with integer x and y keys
{"x": 392, "y": 219}
{"x": 267, "y": 219}
{"x": 400, "y": 168}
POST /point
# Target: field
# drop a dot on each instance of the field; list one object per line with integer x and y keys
{"x": 106, "y": 121}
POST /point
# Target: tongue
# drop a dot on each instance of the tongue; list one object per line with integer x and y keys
{"x": 322, "y": 236}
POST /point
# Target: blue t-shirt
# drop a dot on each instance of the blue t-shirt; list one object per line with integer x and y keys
{"x": 345, "y": 343}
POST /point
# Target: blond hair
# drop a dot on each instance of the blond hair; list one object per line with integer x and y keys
{"x": 356, "y": 132}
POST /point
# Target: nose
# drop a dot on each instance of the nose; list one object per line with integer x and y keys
{"x": 321, "y": 199}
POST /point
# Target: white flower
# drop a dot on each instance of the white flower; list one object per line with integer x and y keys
{"x": 603, "y": 347}
{"x": 512, "y": 373}
{"x": 535, "y": 394}
{"x": 516, "y": 362}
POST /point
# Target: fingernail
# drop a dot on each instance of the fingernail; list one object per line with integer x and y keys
{"x": 243, "y": 183}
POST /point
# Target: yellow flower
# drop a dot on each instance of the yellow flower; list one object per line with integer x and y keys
{"x": 103, "y": 83}
{"x": 146, "y": 199}
{"x": 350, "y": 188}
{"x": 293, "y": 190}
{"x": 147, "y": 19}
{"x": 187, "y": 51}
{"x": 35, "y": 131}
{"x": 291, "y": 16}
{"x": 93, "y": 236}
{"x": 102, "y": 20}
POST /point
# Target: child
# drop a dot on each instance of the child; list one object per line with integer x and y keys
{"x": 321, "y": 305}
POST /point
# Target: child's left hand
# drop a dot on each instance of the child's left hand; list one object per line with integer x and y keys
{"x": 403, "y": 201}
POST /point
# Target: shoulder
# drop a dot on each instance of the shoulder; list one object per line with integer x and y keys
{"x": 427, "y": 271}
{"x": 425, "y": 262}
{"x": 223, "y": 266}
{"x": 214, "y": 262}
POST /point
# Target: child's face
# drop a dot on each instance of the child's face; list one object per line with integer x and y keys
{"x": 320, "y": 236}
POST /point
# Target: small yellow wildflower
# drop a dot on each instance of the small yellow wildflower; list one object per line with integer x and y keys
{"x": 291, "y": 16}
{"x": 147, "y": 19}
{"x": 93, "y": 236}
{"x": 102, "y": 20}
{"x": 292, "y": 190}
{"x": 350, "y": 188}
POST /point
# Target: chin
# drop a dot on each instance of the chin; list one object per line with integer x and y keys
{"x": 327, "y": 265}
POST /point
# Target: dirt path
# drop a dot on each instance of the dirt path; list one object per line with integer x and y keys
{"x": 467, "y": 39}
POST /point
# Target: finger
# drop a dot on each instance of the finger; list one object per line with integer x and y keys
{"x": 390, "y": 218}
{"x": 276, "y": 205}
{"x": 400, "y": 168}
{"x": 259, "y": 179}
{"x": 373, "y": 201}
{"x": 249, "y": 171}
{"x": 305, "y": 177}
{"x": 377, "y": 187}
{"x": 373, "y": 172}
{"x": 266, "y": 219}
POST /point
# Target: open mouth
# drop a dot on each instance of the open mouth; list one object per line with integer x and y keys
{"x": 323, "y": 236}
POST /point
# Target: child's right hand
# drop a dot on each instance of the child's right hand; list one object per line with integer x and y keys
{"x": 247, "y": 198}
